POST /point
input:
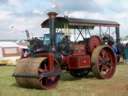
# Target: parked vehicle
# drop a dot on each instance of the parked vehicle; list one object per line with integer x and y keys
{"x": 9, "y": 53}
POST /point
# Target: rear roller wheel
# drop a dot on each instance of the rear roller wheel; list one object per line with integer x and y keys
{"x": 79, "y": 73}
{"x": 103, "y": 62}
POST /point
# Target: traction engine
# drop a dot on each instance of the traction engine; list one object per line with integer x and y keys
{"x": 41, "y": 68}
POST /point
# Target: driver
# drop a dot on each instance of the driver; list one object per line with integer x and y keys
{"x": 66, "y": 47}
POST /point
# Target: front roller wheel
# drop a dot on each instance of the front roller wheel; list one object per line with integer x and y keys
{"x": 51, "y": 81}
{"x": 34, "y": 73}
{"x": 103, "y": 62}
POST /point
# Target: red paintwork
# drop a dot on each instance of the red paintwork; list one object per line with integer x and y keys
{"x": 79, "y": 61}
{"x": 51, "y": 60}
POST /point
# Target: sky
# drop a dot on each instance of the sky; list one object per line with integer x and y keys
{"x": 18, "y": 15}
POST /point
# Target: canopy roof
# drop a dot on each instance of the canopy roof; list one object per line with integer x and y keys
{"x": 60, "y": 22}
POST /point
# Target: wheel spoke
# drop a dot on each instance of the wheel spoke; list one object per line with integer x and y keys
{"x": 103, "y": 53}
{"x": 105, "y": 61}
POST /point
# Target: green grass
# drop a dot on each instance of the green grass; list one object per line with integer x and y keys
{"x": 69, "y": 86}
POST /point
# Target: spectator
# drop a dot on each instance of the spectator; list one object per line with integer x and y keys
{"x": 126, "y": 53}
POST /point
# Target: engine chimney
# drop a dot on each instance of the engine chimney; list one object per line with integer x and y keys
{"x": 52, "y": 16}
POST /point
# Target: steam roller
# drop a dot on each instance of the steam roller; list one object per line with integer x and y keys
{"x": 41, "y": 64}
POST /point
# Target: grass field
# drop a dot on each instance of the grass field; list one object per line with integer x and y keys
{"x": 69, "y": 86}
